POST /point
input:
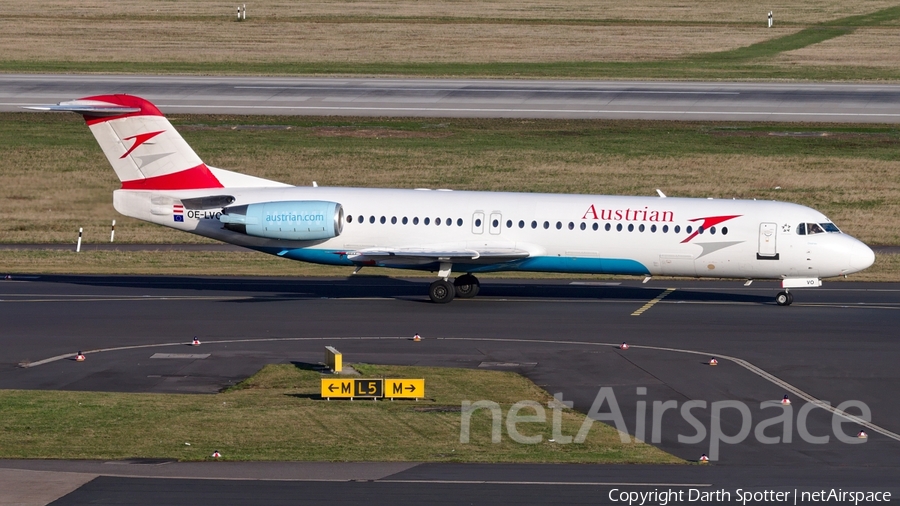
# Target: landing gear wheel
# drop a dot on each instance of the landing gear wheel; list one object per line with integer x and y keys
{"x": 441, "y": 292}
{"x": 784, "y": 298}
{"x": 467, "y": 286}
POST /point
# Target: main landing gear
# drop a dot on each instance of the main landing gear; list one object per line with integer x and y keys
{"x": 464, "y": 287}
{"x": 784, "y": 298}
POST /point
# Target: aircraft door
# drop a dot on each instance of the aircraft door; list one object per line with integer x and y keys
{"x": 496, "y": 223}
{"x": 768, "y": 250}
{"x": 478, "y": 222}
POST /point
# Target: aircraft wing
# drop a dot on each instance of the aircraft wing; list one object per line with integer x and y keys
{"x": 424, "y": 255}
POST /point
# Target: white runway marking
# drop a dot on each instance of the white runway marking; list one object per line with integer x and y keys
{"x": 513, "y": 110}
{"x": 488, "y": 90}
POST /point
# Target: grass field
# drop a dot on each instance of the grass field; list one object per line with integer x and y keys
{"x": 868, "y": 47}
{"x": 277, "y": 415}
{"x": 538, "y": 38}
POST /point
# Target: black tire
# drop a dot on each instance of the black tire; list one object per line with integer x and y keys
{"x": 784, "y": 299}
{"x": 441, "y": 292}
{"x": 467, "y": 286}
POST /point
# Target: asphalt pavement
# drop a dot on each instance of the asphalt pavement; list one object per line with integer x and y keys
{"x": 473, "y": 98}
{"x": 834, "y": 344}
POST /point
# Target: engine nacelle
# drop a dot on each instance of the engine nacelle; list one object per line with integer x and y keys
{"x": 301, "y": 220}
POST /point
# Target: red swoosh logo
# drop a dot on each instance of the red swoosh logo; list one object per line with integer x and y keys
{"x": 709, "y": 222}
{"x": 138, "y": 140}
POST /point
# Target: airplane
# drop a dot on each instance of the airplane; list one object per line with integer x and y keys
{"x": 466, "y": 232}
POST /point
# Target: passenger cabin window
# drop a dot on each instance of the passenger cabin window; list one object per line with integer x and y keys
{"x": 478, "y": 222}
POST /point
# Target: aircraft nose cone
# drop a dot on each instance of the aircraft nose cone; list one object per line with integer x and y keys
{"x": 862, "y": 257}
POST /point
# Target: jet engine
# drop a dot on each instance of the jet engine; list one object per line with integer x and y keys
{"x": 301, "y": 220}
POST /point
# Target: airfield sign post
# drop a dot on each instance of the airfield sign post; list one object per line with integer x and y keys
{"x": 372, "y": 388}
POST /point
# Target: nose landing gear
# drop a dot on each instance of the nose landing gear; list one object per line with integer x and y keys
{"x": 784, "y": 298}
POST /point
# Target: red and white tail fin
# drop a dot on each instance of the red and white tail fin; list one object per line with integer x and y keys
{"x": 145, "y": 150}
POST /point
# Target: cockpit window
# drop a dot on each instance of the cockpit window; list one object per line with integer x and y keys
{"x": 816, "y": 228}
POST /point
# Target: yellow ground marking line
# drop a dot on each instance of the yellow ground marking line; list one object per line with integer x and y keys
{"x": 650, "y": 304}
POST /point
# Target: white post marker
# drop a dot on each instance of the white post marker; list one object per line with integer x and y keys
{"x": 770, "y": 19}
{"x": 239, "y": 12}
{"x": 112, "y": 232}
{"x": 244, "y": 13}
{"x": 78, "y": 246}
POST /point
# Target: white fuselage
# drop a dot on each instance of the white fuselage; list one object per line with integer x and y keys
{"x": 561, "y": 233}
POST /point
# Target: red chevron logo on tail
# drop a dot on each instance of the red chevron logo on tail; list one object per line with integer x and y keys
{"x": 138, "y": 140}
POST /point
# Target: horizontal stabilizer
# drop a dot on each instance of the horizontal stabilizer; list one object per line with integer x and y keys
{"x": 87, "y": 108}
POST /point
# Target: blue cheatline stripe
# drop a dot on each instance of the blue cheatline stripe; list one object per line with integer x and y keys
{"x": 533, "y": 264}
{"x": 583, "y": 265}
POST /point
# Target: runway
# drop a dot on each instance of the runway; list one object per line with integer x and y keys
{"x": 473, "y": 98}
{"x": 836, "y": 343}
